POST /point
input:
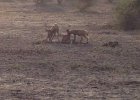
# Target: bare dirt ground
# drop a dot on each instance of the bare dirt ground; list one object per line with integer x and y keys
{"x": 30, "y": 71}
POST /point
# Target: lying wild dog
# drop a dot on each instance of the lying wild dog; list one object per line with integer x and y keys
{"x": 53, "y": 32}
{"x": 81, "y": 33}
{"x": 111, "y": 44}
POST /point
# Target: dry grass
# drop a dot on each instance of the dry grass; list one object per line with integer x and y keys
{"x": 57, "y": 71}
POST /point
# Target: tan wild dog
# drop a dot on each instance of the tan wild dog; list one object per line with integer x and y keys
{"x": 50, "y": 36}
{"x": 81, "y": 33}
{"x": 53, "y": 32}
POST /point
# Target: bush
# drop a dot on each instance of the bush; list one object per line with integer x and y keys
{"x": 59, "y": 2}
{"x": 5, "y": 0}
{"x": 110, "y": 1}
{"x": 84, "y": 4}
{"x": 39, "y": 2}
{"x": 43, "y": 2}
{"x": 128, "y": 14}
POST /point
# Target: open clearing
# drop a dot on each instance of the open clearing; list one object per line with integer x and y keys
{"x": 30, "y": 71}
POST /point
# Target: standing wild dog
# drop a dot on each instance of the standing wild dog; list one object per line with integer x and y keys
{"x": 81, "y": 33}
{"x": 50, "y": 35}
{"x": 53, "y": 32}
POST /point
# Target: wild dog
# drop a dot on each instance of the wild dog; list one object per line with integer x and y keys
{"x": 111, "y": 44}
{"x": 81, "y": 33}
{"x": 50, "y": 36}
{"x": 53, "y": 32}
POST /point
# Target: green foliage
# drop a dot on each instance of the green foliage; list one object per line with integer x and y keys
{"x": 128, "y": 14}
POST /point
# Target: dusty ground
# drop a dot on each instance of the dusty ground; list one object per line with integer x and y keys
{"x": 30, "y": 71}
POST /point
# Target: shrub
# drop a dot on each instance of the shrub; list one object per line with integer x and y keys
{"x": 39, "y": 2}
{"x": 110, "y": 1}
{"x": 84, "y": 4}
{"x": 43, "y": 2}
{"x": 128, "y": 14}
{"x": 59, "y": 2}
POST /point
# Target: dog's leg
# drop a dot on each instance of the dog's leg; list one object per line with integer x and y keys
{"x": 81, "y": 39}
